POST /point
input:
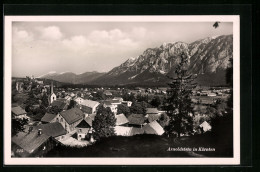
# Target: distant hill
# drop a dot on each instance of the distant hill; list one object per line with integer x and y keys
{"x": 72, "y": 78}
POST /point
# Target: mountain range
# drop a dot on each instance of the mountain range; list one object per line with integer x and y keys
{"x": 208, "y": 58}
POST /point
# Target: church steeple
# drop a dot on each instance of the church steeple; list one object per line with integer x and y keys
{"x": 52, "y": 96}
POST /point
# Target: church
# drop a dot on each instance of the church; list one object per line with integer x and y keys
{"x": 52, "y": 95}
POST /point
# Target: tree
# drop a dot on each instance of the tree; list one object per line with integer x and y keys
{"x": 141, "y": 98}
{"x": 45, "y": 100}
{"x": 54, "y": 110}
{"x": 179, "y": 108}
{"x": 137, "y": 108}
{"x": 128, "y": 96}
{"x": 104, "y": 123}
{"x": 164, "y": 120}
{"x": 72, "y": 104}
{"x": 121, "y": 108}
{"x": 18, "y": 125}
{"x": 156, "y": 101}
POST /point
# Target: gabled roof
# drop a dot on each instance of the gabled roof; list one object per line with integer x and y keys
{"x": 108, "y": 103}
{"x": 18, "y": 110}
{"x": 52, "y": 129}
{"x": 153, "y": 128}
{"x": 121, "y": 119}
{"x": 48, "y": 117}
{"x": 72, "y": 115}
{"x": 152, "y": 110}
{"x": 115, "y": 101}
{"x": 85, "y": 123}
{"x": 153, "y": 117}
{"x": 118, "y": 98}
{"x": 30, "y": 142}
{"x": 86, "y": 109}
{"x": 59, "y": 104}
{"x": 92, "y": 116}
{"x": 89, "y": 103}
{"x": 107, "y": 92}
{"x": 136, "y": 119}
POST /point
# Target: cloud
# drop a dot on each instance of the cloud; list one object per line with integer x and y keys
{"x": 20, "y": 35}
{"x": 103, "y": 36}
{"x": 51, "y": 33}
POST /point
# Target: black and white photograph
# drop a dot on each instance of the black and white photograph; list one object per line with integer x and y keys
{"x": 109, "y": 90}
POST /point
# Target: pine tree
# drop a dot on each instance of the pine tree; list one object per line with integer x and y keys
{"x": 179, "y": 104}
{"x": 104, "y": 123}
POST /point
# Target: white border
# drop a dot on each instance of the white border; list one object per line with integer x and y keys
{"x": 120, "y": 161}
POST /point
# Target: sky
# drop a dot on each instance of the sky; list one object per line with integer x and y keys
{"x": 42, "y": 47}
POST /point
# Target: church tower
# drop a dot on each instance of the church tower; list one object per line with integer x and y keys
{"x": 52, "y": 95}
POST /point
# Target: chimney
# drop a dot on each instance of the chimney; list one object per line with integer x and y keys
{"x": 39, "y": 132}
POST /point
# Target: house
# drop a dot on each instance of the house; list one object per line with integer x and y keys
{"x": 153, "y": 128}
{"x": 121, "y": 120}
{"x": 79, "y": 100}
{"x": 152, "y": 114}
{"x": 127, "y": 103}
{"x": 32, "y": 144}
{"x": 112, "y": 107}
{"x": 112, "y": 104}
{"x": 107, "y": 93}
{"x": 49, "y": 118}
{"x": 205, "y": 126}
{"x": 136, "y": 120}
{"x": 120, "y": 99}
{"x": 69, "y": 119}
{"x": 68, "y": 98}
{"x": 152, "y": 111}
{"x": 54, "y": 130}
{"x": 89, "y": 106}
{"x": 18, "y": 112}
{"x": 211, "y": 94}
{"x": 84, "y": 129}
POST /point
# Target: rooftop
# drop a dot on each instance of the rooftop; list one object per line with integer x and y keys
{"x": 136, "y": 119}
{"x": 52, "y": 129}
{"x": 121, "y": 119}
{"x": 18, "y": 110}
{"x": 30, "y": 141}
{"x": 48, "y": 117}
{"x": 153, "y": 128}
{"x": 72, "y": 115}
{"x": 89, "y": 103}
{"x": 59, "y": 104}
{"x": 152, "y": 110}
{"x": 85, "y": 123}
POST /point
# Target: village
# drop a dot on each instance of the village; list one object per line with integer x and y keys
{"x": 64, "y": 116}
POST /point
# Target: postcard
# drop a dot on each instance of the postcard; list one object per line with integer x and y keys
{"x": 122, "y": 90}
